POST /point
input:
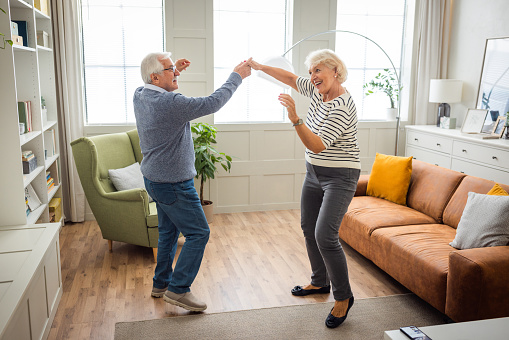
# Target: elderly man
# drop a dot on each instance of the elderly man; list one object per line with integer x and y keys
{"x": 162, "y": 119}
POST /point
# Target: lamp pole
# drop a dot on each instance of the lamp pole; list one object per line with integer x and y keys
{"x": 398, "y": 116}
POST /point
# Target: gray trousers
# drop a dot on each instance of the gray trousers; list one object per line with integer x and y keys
{"x": 326, "y": 195}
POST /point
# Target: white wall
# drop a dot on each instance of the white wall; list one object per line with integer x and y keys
{"x": 473, "y": 22}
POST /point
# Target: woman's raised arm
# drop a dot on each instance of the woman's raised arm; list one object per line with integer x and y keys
{"x": 283, "y": 76}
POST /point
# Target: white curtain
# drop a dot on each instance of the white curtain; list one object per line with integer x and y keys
{"x": 433, "y": 20}
{"x": 68, "y": 66}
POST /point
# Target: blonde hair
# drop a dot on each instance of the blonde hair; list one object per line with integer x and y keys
{"x": 329, "y": 59}
{"x": 152, "y": 64}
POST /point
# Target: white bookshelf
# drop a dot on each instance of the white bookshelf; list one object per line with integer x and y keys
{"x": 27, "y": 73}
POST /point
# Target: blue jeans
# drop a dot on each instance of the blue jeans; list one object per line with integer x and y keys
{"x": 179, "y": 210}
{"x": 326, "y": 195}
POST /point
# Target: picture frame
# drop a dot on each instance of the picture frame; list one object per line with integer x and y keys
{"x": 493, "y": 93}
{"x": 474, "y": 121}
{"x": 489, "y": 122}
{"x": 499, "y": 127}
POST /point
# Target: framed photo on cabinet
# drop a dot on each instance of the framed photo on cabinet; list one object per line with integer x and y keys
{"x": 499, "y": 127}
{"x": 474, "y": 121}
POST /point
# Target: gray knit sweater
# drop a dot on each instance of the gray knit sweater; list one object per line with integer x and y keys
{"x": 162, "y": 119}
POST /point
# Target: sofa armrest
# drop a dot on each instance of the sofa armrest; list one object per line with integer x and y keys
{"x": 362, "y": 185}
{"x": 477, "y": 284}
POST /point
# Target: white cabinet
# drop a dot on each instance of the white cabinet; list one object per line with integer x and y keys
{"x": 30, "y": 280}
{"x": 466, "y": 153}
{"x": 27, "y": 74}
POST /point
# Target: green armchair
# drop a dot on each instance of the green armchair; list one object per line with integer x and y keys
{"x": 125, "y": 216}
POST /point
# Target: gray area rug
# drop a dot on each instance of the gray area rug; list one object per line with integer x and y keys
{"x": 368, "y": 319}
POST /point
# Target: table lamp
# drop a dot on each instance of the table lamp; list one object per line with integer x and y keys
{"x": 444, "y": 91}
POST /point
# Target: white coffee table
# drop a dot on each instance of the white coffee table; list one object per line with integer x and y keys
{"x": 492, "y": 329}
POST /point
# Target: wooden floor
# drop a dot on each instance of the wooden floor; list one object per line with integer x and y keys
{"x": 252, "y": 260}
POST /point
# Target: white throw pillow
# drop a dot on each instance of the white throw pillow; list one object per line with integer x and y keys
{"x": 127, "y": 178}
{"x": 484, "y": 223}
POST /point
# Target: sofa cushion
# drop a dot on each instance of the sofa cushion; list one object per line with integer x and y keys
{"x": 366, "y": 214}
{"x": 454, "y": 210}
{"x": 498, "y": 191}
{"x": 484, "y": 223}
{"x": 431, "y": 188}
{"x": 389, "y": 178}
{"x": 417, "y": 256}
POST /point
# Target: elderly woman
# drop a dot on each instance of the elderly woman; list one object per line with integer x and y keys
{"x": 333, "y": 169}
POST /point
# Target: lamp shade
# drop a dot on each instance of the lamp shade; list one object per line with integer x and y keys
{"x": 280, "y": 62}
{"x": 445, "y": 90}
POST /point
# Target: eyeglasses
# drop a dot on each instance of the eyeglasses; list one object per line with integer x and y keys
{"x": 171, "y": 68}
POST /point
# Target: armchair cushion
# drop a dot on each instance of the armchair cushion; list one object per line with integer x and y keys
{"x": 127, "y": 178}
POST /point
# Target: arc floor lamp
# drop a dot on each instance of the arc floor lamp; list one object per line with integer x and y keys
{"x": 284, "y": 63}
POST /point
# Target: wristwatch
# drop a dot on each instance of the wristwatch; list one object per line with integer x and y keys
{"x": 299, "y": 122}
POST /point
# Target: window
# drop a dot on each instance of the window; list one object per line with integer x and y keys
{"x": 382, "y": 21}
{"x": 117, "y": 34}
{"x": 244, "y": 29}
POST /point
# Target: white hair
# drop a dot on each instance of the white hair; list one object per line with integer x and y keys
{"x": 152, "y": 64}
{"x": 329, "y": 59}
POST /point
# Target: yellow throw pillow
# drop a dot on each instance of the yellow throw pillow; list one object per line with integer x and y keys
{"x": 497, "y": 190}
{"x": 390, "y": 178}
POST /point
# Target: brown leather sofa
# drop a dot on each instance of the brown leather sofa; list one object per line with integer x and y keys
{"x": 411, "y": 243}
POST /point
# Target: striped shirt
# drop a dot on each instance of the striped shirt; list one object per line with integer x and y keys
{"x": 335, "y": 122}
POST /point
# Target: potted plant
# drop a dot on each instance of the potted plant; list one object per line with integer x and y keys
{"x": 206, "y": 158}
{"x": 387, "y": 83}
{"x": 2, "y": 45}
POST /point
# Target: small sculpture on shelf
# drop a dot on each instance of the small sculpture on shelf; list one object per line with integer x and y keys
{"x": 44, "y": 111}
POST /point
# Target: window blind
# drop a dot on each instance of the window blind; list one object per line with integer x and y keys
{"x": 117, "y": 34}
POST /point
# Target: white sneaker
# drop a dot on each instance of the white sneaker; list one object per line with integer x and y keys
{"x": 187, "y": 301}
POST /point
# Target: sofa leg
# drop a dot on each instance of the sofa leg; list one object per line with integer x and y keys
{"x": 110, "y": 245}
{"x": 154, "y": 250}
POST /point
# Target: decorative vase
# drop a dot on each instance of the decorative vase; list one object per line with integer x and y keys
{"x": 208, "y": 209}
{"x": 391, "y": 113}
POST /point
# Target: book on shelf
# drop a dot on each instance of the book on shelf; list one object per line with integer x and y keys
{"x": 50, "y": 182}
{"x": 22, "y": 31}
{"x": 49, "y": 143}
{"x": 32, "y": 200}
{"x": 42, "y": 5}
{"x": 25, "y": 114}
{"x": 55, "y": 209}
{"x": 27, "y": 155}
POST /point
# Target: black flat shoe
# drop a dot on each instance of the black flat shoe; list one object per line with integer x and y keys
{"x": 332, "y": 321}
{"x": 299, "y": 291}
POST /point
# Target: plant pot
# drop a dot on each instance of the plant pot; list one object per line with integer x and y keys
{"x": 391, "y": 113}
{"x": 208, "y": 209}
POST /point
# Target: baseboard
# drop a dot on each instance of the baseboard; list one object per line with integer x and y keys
{"x": 256, "y": 207}
{"x": 89, "y": 216}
